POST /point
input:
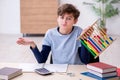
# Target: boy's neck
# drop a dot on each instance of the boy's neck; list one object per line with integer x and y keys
{"x": 65, "y": 32}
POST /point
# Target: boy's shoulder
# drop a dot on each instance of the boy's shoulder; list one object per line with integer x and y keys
{"x": 77, "y": 27}
{"x": 52, "y": 30}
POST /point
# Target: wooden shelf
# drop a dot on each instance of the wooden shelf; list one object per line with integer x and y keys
{"x": 37, "y": 16}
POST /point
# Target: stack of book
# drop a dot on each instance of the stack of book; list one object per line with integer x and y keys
{"x": 102, "y": 70}
{"x": 7, "y": 73}
{"x": 118, "y": 72}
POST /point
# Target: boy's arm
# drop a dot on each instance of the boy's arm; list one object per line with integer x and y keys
{"x": 85, "y": 56}
{"x": 42, "y": 56}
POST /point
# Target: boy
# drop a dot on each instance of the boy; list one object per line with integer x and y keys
{"x": 62, "y": 40}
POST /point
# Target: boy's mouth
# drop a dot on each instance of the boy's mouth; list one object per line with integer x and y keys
{"x": 64, "y": 25}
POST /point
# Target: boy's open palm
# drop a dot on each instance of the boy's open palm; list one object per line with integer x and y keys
{"x": 24, "y": 41}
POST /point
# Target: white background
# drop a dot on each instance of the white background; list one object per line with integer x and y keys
{"x": 10, "y": 16}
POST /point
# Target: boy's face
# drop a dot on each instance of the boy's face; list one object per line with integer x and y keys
{"x": 66, "y": 21}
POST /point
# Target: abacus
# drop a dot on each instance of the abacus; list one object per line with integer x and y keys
{"x": 95, "y": 39}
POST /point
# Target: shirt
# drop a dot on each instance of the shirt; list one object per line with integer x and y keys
{"x": 64, "y": 48}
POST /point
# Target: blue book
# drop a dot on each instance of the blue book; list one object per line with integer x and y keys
{"x": 95, "y": 76}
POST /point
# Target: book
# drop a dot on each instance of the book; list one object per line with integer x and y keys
{"x": 118, "y": 72}
{"x": 108, "y": 74}
{"x": 101, "y": 67}
{"x": 99, "y": 78}
{"x": 9, "y": 73}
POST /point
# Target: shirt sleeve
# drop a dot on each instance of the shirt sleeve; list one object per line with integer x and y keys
{"x": 42, "y": 56}
{"x": 85, "y": 56}
{"x": 47, "y": 38}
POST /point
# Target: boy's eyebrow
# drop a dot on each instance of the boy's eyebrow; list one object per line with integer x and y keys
{"x": 69, "y": 16}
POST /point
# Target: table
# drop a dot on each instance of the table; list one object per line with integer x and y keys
{"x": 73, "y": 73}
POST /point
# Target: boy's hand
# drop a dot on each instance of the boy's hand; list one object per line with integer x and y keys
{"x": 86, "y": 33}
{"x": 24, "y": 41}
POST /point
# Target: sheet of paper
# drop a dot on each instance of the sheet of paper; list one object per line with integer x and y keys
{"x": 56, "y": 67}
{"x": 29, "y": 67}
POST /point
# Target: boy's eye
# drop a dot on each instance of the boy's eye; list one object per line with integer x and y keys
{"x": 68, "y": 18}
{"x": 62, "y": 17}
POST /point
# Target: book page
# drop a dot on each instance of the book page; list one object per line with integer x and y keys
{"x": 30, "y": 67}
{"x": 56, "y": 67}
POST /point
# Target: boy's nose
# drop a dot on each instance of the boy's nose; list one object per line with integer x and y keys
{"x": 64, "y": 20}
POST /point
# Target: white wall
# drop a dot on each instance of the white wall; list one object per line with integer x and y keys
{"x": 10, "y": 16}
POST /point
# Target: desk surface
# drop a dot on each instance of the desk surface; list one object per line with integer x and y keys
{"x": 75, "y": 70}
